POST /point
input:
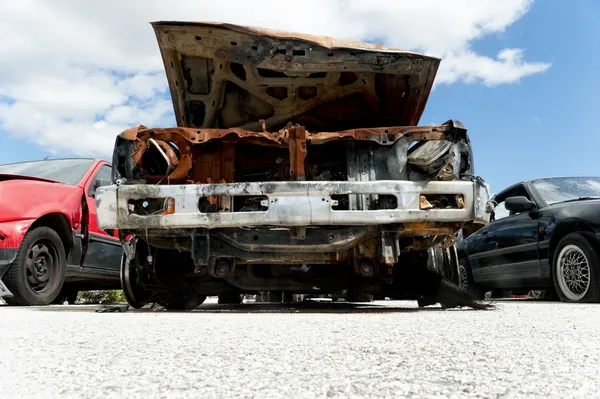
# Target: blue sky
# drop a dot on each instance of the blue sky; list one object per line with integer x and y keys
{"x": 543, "y": 124}
{"x": 546, "y": 125}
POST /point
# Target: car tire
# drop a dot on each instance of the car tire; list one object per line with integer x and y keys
{"x": 575, "y": 269}
{"x": 230, "y": 298}
{"x": 466, "y": 282}
{"x": 135, "y": 295}
{"x": 37, "y": 275}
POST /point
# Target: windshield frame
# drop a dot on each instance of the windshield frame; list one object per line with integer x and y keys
{"x": 75, "y": 162}
{"x": 543, "y": 198}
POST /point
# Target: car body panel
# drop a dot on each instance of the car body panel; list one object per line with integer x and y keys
{"x": 516, "y": 251}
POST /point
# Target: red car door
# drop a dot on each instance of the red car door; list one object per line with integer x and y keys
{"x": 102, "y": 250}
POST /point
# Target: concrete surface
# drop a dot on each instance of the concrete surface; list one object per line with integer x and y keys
{"x": 386, "y": 349}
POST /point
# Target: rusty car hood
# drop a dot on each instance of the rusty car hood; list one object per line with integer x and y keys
{"x": 224, "y": 76}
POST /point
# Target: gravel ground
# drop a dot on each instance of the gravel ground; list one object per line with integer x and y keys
{"x": 386, "y": 349}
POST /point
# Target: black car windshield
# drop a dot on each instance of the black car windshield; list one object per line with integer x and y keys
{"x": 559, "y": 189}
{"x": 67, "y": 171}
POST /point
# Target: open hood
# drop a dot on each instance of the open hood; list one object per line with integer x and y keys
{"x": 223, "y": 75}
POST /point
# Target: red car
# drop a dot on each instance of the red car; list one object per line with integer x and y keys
{"x": 50, "y": 244}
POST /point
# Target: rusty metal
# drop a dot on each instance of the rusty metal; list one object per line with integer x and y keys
{"x": 297, "y": 146}
{"x": 383, "y": 135}
{"x": 424, "y": 204}
{"x": 450, "y": 240}
{"x": 428, "y": 229}
{"x": 228, "y": 75}
{"x": 190, "y": 166}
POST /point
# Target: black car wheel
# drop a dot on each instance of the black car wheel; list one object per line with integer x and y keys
{"x": 135, "y": 295}
{"x": 38, "y": 273}
{"x": 575, "y": 269}
{"x": 466, "y": 282}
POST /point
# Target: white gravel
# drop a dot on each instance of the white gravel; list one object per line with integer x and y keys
{"x": 522, "y": 349}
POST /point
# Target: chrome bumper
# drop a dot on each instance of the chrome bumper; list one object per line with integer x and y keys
{"x": 298, "y": 203}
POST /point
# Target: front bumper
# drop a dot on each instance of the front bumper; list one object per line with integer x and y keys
{"x": 298, "y": 203}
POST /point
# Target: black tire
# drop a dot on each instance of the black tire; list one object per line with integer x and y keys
{"x": 67, "y": 294}
{"x": 466, "y": 282}
{"x": 230, "y": 298}
{"x": 576, "y": 244}
{"x": 37, "y": 275}
{"x": 135, "y": 295}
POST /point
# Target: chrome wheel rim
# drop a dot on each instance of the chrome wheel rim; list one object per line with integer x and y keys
{"x": 573, "y": 273}
{"x": 463, "y": 281}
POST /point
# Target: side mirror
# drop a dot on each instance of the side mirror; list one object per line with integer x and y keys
{"x": 519, "y": 204}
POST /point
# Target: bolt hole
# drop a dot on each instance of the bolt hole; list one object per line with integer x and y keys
{"x": 254, "y": 48}
{"x": 234, "y": 43}
{"x": 198, "y": 38}
{"x": 255, "y": 238}
{"x": 331, "y": 237}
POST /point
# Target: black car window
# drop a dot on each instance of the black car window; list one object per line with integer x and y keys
{"x": 104, "y": 173}
{"x": 500, "y": 211}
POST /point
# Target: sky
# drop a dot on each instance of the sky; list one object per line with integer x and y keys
{"x": 520, "y": 74}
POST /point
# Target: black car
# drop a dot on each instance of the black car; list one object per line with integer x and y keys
{"x": 543, "y": 235}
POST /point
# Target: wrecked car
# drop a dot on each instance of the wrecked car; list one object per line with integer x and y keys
{"x": 297, "y": 166}
{"x": 50, "y": 245}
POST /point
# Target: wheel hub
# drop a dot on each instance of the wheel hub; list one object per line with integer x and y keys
{"x": 573, "y": 273}
{"x": 39, "y": 266}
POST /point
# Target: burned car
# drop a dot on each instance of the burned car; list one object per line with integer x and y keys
{"x": 297, "y": 166}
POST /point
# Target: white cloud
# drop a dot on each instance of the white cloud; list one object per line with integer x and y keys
{"x": 536, "y": 119}
{"x": 77, "y": 73}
